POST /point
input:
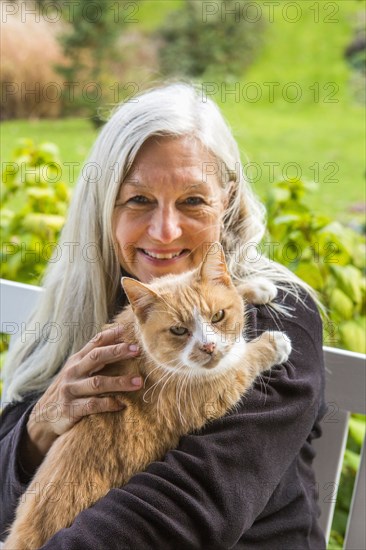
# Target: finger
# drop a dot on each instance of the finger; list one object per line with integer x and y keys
{"x": 97, "y": 358}
{"x": 106, "y": 337}
{"x": 95, "y": 405}
{"x": 99, "y": 384}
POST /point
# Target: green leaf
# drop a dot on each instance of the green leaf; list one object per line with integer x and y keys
{"x": 350, "y": 281}
{"x": 286, "y": 219}
{"x": 341, "y": 303}
{"x": 39, "y": 222}
{"x": 310, "y": 273}
{"x": 357, "y": 429}
{"x": 351, "y": 460}
{"x": 40, "y": 193}
{"x": 353, "y": 337}
{"x": 335, "y": 541}
{"x": 281, "y": 195}
{"x": 50, "y": 148}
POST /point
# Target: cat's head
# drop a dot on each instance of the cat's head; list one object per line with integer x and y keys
{"x": 192, "y": 320}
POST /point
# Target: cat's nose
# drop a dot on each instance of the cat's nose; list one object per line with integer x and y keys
{"x": 209, "y": 347}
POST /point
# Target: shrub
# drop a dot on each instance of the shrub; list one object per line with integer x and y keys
{"x": 30, "y": 87}
{"x": 90, "y": 47}
{"x": 35, "y": 201}
{"x": 329, "y": 256}
{"x": 198, "y": 42}
{"x": 324, "y": 253}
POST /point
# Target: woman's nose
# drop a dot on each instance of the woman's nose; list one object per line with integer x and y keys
{"x": 164, "y": 225}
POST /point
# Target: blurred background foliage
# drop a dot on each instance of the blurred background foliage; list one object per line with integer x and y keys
{"x": 34, "y": 206}
{"x": 294, "y": 100}
{"x": 200, "y": 41}
{"x": 289, "y": 80}
{"x": 329, "y": 256}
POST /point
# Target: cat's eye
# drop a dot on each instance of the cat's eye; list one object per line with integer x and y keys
{"x": 178, "y": 331}
{"x": 218, "y": 316}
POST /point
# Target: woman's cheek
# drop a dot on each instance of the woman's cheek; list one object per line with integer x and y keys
{"x": 130, "y": 222}
{"x": 205, "y": 214}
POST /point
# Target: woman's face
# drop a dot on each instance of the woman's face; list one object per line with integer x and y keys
{"x": 168, "y": 209}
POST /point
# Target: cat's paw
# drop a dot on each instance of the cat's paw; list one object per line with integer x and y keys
{"x": 258, "y": 291}
{"x": 282, "y": 345}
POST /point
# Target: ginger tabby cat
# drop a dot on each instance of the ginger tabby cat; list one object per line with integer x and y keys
{"x": 196, "y": 365}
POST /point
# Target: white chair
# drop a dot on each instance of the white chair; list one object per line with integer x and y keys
{"x": 345, "y": 393}
{"x": 17, "y": 301}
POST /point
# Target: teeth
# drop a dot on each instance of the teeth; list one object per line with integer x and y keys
{"x": 162, "y": 256}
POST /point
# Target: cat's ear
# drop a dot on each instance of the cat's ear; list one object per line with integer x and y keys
{"x": 140, "y": 296}
{"x": 213, "y": 268}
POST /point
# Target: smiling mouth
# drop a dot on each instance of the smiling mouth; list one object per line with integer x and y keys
{"x": 167, "y": 256}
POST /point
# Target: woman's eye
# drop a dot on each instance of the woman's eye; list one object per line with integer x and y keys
{"x": 139, "y": 199}
{"x": 192, "y": 201}
{"x": 178, "y": 331}
{"x": 218, "y": 316}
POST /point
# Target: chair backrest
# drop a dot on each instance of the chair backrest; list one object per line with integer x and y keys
{"x": 345, "y": 394}
{"x": 17, "y": 301}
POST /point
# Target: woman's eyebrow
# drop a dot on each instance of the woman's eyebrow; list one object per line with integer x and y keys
{"x": 190, "y": 186}
{"x": 135, "y": 186}
{"x": 197, "y": 184}
{"x": 134, "y": 183}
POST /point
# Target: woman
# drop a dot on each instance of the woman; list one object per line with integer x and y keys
{"x": 246, "y": 480}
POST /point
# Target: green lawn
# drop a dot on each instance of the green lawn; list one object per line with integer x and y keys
{"x": 314, "y": 144}
{"x": 319, "y": 138}
{"x": 323, "y": 132}
{"x": 74, "y": 136}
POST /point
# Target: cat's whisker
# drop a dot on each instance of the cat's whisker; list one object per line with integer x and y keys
{"x": 273, "y": 317}
{"x": 190, "y": 379}
{"x": 172, "y": 375}
{"x": 154, "y": 386}
{"x": 182, "y": 385}
{"x": 158, "y": 366}
{"x": 263, "y": 387}
{"x": 161, "y": 367}
{"x": 177, "y": 397}
{"x": 185, "y": 386}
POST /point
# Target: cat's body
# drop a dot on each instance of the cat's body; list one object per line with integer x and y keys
{"x": 205, "y": 372}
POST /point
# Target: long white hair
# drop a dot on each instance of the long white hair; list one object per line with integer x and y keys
{"x": 81, "y": 287}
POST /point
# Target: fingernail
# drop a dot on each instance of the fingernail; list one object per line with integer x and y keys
{"x": 133, "y": 347}
{"x": 136, "y": 381}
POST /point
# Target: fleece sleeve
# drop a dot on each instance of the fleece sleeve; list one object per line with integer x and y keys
{"x": 209, "y": 491}
{"x": 14, "y": 478}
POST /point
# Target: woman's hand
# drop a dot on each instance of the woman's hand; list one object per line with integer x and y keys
{"x": 79, "y": 391}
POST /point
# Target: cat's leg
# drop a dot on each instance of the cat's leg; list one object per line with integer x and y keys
{"x": 269, "y": 349}
{"x": 248, "y": 360}
{"x": 257, "y": 290}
